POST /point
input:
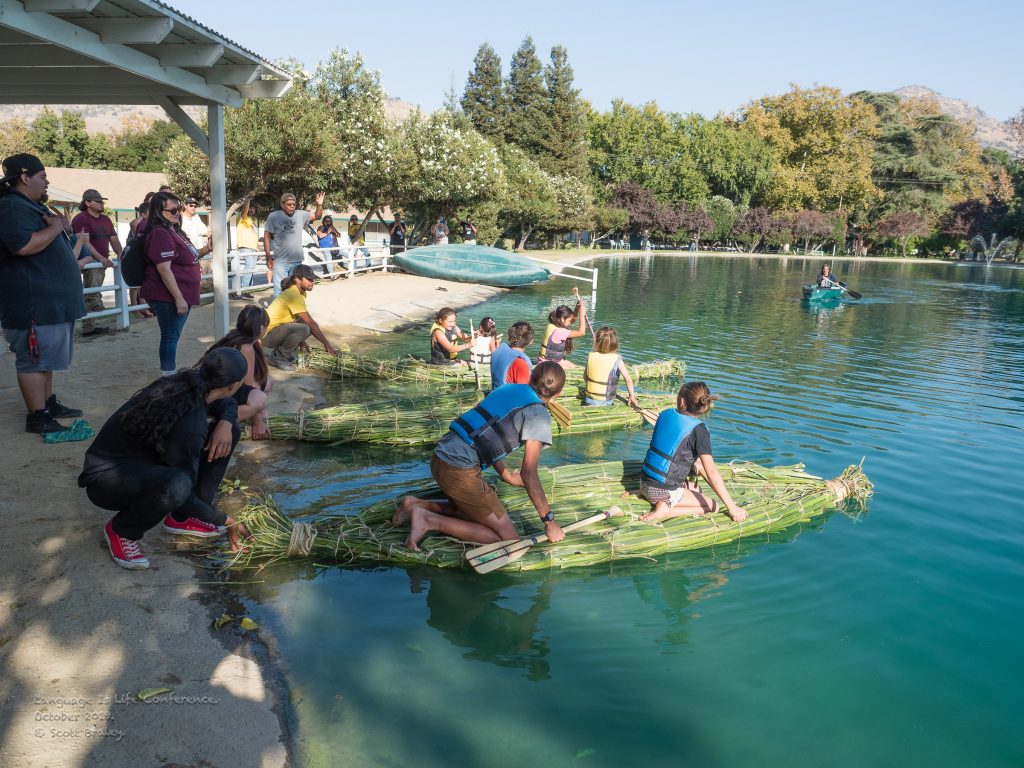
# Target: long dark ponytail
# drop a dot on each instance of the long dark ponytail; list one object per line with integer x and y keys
{"x": 557, "y": 317}
{"x": 153, "y": 411}
{"x": 248, "y": 326}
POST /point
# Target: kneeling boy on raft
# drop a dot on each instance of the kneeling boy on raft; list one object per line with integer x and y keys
{"x": 512, "y": 415}
{"x": 680, "y": 446}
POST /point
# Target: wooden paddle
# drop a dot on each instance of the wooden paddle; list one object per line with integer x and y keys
{"x": 842, "y": 285}
{"x": 576, "y": 293}
{"x": 562, "y": 414}
{"x": 645, "y": 413}
{"x": 491, "y": 557}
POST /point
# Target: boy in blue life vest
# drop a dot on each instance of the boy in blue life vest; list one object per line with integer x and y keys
{"x": 510, "y": 416}
{"x": 680, "y": 446}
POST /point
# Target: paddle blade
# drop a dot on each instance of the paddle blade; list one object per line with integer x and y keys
{"x": 497, "y": 548}
{"x": 498, "y": 561}
{"x": 561, "y": 414}
{"x": 854, "y": 294}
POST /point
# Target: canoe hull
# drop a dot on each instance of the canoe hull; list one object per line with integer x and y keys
{"x": 814, "y": 293}
{"x": 472, "y": 264}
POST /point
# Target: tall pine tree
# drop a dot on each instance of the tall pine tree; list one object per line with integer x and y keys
{"x": 483, "y": 101}
{"x": 566, "y": 143}
{"x": 528, "y": 125}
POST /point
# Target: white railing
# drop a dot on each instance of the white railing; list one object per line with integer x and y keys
{"x": 589, "y": 275}
{"x": 323, "y": 258}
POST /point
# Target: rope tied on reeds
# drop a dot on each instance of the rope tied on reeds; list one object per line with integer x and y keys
{"x": 302, "y": 421}
{"x": 301, "y": 542}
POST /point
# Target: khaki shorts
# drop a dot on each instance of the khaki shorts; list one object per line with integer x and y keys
{"x": 467, "y": 490}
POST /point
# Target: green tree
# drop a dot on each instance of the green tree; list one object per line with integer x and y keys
{"x": 142, "y": 146}
{"x": 566, "y": 151}
{"x": 529, "y": 200}
{"x": 822, "y": 142}
{"x": 14, "y": 137}
{"x": 723, "y": 213}
{"x": 483, "y": 100}
{"x": 528, "y": 125}
{"x": 606, "y": 220}
{"x": 640, "y": 145}
{"x": 61, "y": 140}
{"x": 734, "y": 163}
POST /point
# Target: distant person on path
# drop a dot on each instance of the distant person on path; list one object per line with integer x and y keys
{"x": 102, "y": 237}
{"x": 40, "y": 290}
{"x": 357, "y": 240}
{"x": 326, "y": 234}
{"x": 681, "y": 447}
{"x": 282, "y": 237}
{"x": 247, "y": 241}
{"x": 468, "y": 231}
{"x": 603, "y": 369}
{"x": 396, "y": 234}
{"x": 250, "y": 326}
{"x": 439, "y": 232}
{"x": 290, "y": 321}
{"x": 171, "y": 284}
{"x": 509, "y": 363}
{"x": 443, "y": 333}
{"x": 162, "y": 455}
{"x": 510, "y": 416}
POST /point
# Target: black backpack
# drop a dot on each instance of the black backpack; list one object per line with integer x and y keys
{"x": 133, "y": 260}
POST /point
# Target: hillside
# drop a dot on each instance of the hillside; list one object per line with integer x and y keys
{"x": 989, "y": 131}
{"x": 110, "y": 118}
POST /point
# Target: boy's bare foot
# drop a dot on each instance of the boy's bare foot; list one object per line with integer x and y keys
{"x": 418, "y": 528}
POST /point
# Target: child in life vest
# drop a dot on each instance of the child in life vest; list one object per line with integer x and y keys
{"x": 443, "y": 348}
{"x": 558, "y": 335}
{"x": 680, "y": 446}
{"x": 485, "y": 341}
{"x": 603, "y": 369}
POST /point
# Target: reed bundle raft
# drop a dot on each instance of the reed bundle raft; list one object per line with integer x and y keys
{"x": 423, "y": 420}
{"x": 775, "y": 498}
{"x": 668, "y": 373}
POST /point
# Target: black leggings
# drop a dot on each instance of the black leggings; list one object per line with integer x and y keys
{"x": 143, "y": 493}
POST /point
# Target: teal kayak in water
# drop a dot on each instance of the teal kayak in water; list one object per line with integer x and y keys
{"x": 472, "y": 264}
{"x": 813, "y": 293}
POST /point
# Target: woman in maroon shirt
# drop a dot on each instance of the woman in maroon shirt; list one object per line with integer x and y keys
{"x": 171, "y": 284}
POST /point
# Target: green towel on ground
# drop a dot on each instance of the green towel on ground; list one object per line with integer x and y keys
{"x": 79, "y": 430}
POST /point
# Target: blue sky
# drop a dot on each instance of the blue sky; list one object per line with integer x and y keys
{"x": 689, "y": 57}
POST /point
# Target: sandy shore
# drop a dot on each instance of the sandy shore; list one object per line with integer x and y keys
{"x": 80, "y": 636}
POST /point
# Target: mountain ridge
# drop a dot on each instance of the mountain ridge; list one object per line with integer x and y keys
{"x": 989, "y": 131}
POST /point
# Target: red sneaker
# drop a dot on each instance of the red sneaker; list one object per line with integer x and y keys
{"x": 193, "y": 527}
{"x": 126, "y": 553}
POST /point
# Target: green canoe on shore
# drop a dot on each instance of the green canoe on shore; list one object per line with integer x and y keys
{"x": 472, "y": 264}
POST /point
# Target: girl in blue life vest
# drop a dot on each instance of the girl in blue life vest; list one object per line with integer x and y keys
{"x": 604, "y": 366}
{"x": 558, "y": 336}
{"x": 510, "y": 416}
{"x": 681, "y": 445}
{"x": 443, "y": 333}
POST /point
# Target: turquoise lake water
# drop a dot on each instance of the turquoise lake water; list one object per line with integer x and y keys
{"x": 888, "y": 638}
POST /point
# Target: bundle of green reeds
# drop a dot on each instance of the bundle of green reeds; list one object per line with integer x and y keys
{"x": 668, "y": 373}
{"x": 423, "y": 420}
{"x": 775, "y": 498}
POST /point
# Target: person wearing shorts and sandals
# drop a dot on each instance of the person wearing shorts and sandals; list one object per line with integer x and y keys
{"x": 681, "y": 446}
{"x": 40, "y": 290}
{"x": 512, "y": 415}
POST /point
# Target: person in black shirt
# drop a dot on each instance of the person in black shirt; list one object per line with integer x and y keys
{"x": 468, "y": 231}
{"x": 397, "y": 234}
{"x": 163, "y": 454}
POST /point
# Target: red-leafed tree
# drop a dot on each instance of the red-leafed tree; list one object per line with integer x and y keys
{"x": 694, "y": 221}
{"x": 646, "y": 215}
{"x": 901, "y": 226}
{"x": 808, "y": 225}
{"x": 753, "y": 226}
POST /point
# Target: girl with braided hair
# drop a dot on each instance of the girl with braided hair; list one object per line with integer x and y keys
{"x": 250, "y": 326}
{"x": 681, "y": 447}
{"x": 163, "y": 454}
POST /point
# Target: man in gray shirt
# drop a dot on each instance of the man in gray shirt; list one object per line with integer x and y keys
{"x": 285, "y": 227}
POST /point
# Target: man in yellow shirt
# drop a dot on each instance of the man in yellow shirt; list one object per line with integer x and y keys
{"x": 357, "y": 241}
{"x": 290, "y": 322}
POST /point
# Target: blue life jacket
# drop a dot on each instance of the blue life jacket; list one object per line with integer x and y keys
{"x": 664, "y": 462}
{"x": 488, "y": 427}
{"x": 501, "y": 361}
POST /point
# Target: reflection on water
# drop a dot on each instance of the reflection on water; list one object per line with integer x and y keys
{"x": 879, "y": 640}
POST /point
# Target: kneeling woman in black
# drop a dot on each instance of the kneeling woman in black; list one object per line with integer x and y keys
{"x": 163, "y": 454}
